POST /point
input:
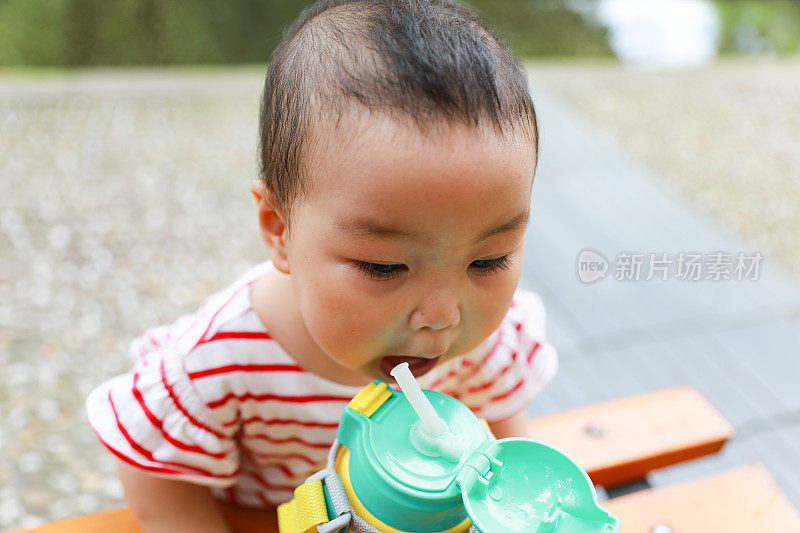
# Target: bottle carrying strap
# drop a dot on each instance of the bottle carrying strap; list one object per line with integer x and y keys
{"x": 307, "y": 512}
{"x": 338, "y": 496}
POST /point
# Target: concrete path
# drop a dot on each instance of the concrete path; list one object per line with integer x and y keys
{"x": 735, "y": 341}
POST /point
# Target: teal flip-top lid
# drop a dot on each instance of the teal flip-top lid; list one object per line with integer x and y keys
{"x": 507, "y": 485}
{"x": 519, "y": 484}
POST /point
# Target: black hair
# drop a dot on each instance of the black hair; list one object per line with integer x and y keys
{"x": 429, "y": 62}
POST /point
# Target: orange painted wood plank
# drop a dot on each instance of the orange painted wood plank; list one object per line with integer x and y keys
{"x": 117, "y": 520}
{"x": 239, "y": 519}
{"x": 622, "y": 440}
{"x": 741, "y": 500}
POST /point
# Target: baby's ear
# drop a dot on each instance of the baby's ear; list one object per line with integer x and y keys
{"x": 272, "y": 223}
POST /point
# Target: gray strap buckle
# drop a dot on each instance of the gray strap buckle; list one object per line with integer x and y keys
{"x": 340, "y": 521}
{"x": 335, "y": 525}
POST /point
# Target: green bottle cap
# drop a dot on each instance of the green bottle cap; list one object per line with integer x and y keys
{"x": 519, "y": 484}
{"x": 393, "y": 479}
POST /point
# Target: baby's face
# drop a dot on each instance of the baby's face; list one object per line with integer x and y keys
{"x": 410, "y": 249}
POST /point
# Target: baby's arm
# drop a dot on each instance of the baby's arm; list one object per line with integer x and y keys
{"x": 513, "y": 426}
{"x": 165, "y": 506}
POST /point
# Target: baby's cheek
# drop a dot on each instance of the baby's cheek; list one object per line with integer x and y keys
{"x": 347, "y": 324}
{"x": 495, "y": 306}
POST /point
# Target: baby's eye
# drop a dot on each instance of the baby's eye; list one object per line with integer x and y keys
{"x": 490, "y": 266}
{"x": 382, "y": 272}
{"x": 378, "y": 271}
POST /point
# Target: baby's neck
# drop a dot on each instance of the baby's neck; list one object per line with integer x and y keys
{"x": 273, "y": 299}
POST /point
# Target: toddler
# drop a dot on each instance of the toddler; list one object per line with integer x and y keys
{"x": 398, "y": 148}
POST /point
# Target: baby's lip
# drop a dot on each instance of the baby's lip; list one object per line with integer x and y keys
{"x": 419, "y": 366}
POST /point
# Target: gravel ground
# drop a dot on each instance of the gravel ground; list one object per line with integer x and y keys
{"x": 126, "y": 204}
{"x": 727, "y": 136}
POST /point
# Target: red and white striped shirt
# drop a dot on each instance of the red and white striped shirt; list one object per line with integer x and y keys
{"x": 214, "y": 400}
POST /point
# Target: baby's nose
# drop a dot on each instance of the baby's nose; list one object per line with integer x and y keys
{"x": 439, "y": 311}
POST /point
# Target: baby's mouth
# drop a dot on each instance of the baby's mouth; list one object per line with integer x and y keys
{"x": 419, "y": 366}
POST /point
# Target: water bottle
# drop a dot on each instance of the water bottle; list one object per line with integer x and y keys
{"x": 415, "y": 461}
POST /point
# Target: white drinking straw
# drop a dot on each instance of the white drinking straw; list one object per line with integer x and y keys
{"x": 432, "y": 425}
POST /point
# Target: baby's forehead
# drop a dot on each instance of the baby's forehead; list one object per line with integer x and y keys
{"x": 342, "y": 125}
{"x": 357, "y": 129}
{"x": 385, "y": 170}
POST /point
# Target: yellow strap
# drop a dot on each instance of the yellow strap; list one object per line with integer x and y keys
{"x": 306, "y": 511}
{"x": 286, "y": 517}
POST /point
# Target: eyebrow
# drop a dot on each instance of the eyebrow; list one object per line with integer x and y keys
{"x": 369, "y": 228}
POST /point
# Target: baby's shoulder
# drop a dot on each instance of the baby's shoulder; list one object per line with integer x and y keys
{"x": 220, "y": 348}
{"x": 526, "y": 313}
{"x": 222, "y": 315}
{"x": 214, "y": 330}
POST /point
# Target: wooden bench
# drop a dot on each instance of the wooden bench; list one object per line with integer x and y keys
{"x": 741, "y": 500}
{"x": 616, "y": 442}
{"x": 622, "y": 440}
{"x": 239, "y": 520}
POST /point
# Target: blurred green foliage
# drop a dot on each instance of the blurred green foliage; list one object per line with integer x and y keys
{"x": 140, "y": 32}
{"x": 544, "y": 28}
{"x": 31, "y": 32}
{"x": 158, "y": 32}
{"x": 150, "y": 32}
{"x": 753, "y": 26}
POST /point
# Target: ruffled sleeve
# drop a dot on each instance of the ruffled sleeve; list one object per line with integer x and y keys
{"x": 153, "y": 418}
{"x": 503, "y": 375}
